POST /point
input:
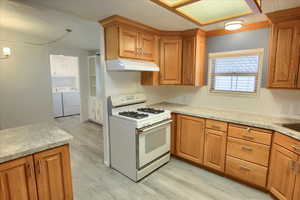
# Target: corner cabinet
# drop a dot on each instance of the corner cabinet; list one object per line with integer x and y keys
{"x": 193, "y": 58}
{"x": 45, "y": 176}
{"x": 170, "y": 60}
{"x": 284, "y": 58}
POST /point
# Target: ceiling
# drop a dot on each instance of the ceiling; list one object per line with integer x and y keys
{"x": 50, "y": 18}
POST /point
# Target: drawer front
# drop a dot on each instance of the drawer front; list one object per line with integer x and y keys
{"x": 216, "y": 125}
{"x": 246, "y": 171}
{"x": 287, "y": 142}
{"x": 249, "y": 151}
{"x": 250, "y": 134}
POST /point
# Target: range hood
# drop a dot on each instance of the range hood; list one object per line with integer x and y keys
{"x": 122, "y": 64}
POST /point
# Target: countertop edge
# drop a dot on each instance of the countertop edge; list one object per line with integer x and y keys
{"x": 34, "y": 150}
{"x": 271, "y": 126}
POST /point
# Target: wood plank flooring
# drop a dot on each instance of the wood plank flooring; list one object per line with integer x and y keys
{"x": 177, "y": 180}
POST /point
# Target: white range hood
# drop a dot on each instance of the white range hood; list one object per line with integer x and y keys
{"x": 130, "y": 65}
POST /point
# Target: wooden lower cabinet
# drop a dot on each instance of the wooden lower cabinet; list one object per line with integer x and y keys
{"x": 282, "y": 175}
{"x": 17, "y": 180}
{"x": 246, "y": 171}
{"x": 44, "y": 176}
{"x": 296, "y": 195}
{"x": 190, "y": 138}
{"x": 54, "y": 174}
{"x": 215, "y": 149}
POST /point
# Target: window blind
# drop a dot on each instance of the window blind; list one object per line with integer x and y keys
{"x": 237, "y": 74}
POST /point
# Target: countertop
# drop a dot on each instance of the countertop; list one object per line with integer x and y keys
{"x": 259, "y": 121}
{"x": 22, "y": 141}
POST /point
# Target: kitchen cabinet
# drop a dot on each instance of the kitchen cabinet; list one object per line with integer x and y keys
{"x": 170, "y": 60}
{"x": 127, "y": 41}
{"x": 215, "y": 149}
{"x": 45, "y": 176}
{"x": 53, "y": 174}
{"x": 190, "y": 138}
{"x": 17, "y": 180}
{"x": 284, "y": 173}
{"x": 284, "y": 57}
{"x": 193, "y": 58}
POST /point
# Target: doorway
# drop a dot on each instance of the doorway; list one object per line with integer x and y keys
{"x": 65, "y": 85}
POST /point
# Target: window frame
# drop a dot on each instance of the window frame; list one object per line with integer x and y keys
{"x": 249, "y": 52}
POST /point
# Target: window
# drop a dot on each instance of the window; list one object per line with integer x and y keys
{"x": 235, "y": 72}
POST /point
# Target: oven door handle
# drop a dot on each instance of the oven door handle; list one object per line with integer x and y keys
{"x": 154, "y": 126}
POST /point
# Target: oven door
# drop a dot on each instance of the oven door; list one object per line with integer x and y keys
{"x": 153, "y": 142}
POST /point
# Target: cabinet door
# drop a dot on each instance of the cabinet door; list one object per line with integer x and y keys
{"x": 282, "y": 175}
{"x": 17, "y": 180}
{"x": 190, "y": 138}
{"x": 147, "y": 46}
{"x": 128, "y": 41}
{"x": 297, "y": 185}
{"x": 170, "y": 61}
{"x": 53, "y": 174}
{"x": 214, "y": 149}
{"x": 284, "y": 55}
{"x": 188, "y": 60}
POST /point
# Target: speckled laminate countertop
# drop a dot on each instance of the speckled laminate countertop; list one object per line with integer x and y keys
{"x": 259, "y": 121}
{"x": 22, "y": 141}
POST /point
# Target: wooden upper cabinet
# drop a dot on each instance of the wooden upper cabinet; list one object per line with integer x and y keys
{"x": 282, "y": 176}
{"x": 190, "y": 138}
{"x": 17, "y": 180}
{"x": 284, "y": 49}
{"x": 128, "y": 42}
{"x": 147, "y": 46}
{"x": 125, "y": 41}
{"x": 215, "y": 149}
{"x": 170, "y": 60}
{"x": 53, "y": 172}
{"x": 284, "y": 55}
{"x": 193, "y": 58}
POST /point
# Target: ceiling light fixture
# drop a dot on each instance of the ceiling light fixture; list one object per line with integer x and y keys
{"x": 234, "y": 25}
{"x": 6, "y": 53}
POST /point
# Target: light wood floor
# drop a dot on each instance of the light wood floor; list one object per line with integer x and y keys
{"x": 177, "y": 180}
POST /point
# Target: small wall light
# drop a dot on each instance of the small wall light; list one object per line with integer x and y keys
{"x": 234, "y": 25}
{"x": 6, "y": 53}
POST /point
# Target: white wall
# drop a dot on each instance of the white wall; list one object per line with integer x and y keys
{"x": 25, "y": 92}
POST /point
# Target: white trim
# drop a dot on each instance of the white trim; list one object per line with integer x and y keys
{"x": 247, "y": 52}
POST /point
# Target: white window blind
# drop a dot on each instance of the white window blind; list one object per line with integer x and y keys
{"x": 235, "y": 72}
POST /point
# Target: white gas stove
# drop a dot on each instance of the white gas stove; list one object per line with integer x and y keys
{"x": 139, "y": 136}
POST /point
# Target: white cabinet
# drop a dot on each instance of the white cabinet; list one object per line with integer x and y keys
{"x": 71, "y": 103}
{"x": 95, "y": 110}
{"x": 95, "y": 103}
{"x": 57, "y": 104}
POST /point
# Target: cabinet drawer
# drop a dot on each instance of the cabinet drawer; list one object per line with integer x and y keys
{"x": 216, "y": 125}
{"x": 249, "y": 151}
{"x": 251, "y": 134}
{"x": 246, "y": 171}
{"x": 287, "y": 142}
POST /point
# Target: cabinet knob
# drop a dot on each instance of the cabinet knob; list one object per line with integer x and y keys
{"x": 29, "y": 169}
{"x": 244, "y": 168}
{"x": 247, "y": 148}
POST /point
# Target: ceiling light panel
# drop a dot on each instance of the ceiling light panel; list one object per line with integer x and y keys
{"x": 210, "y": 11}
